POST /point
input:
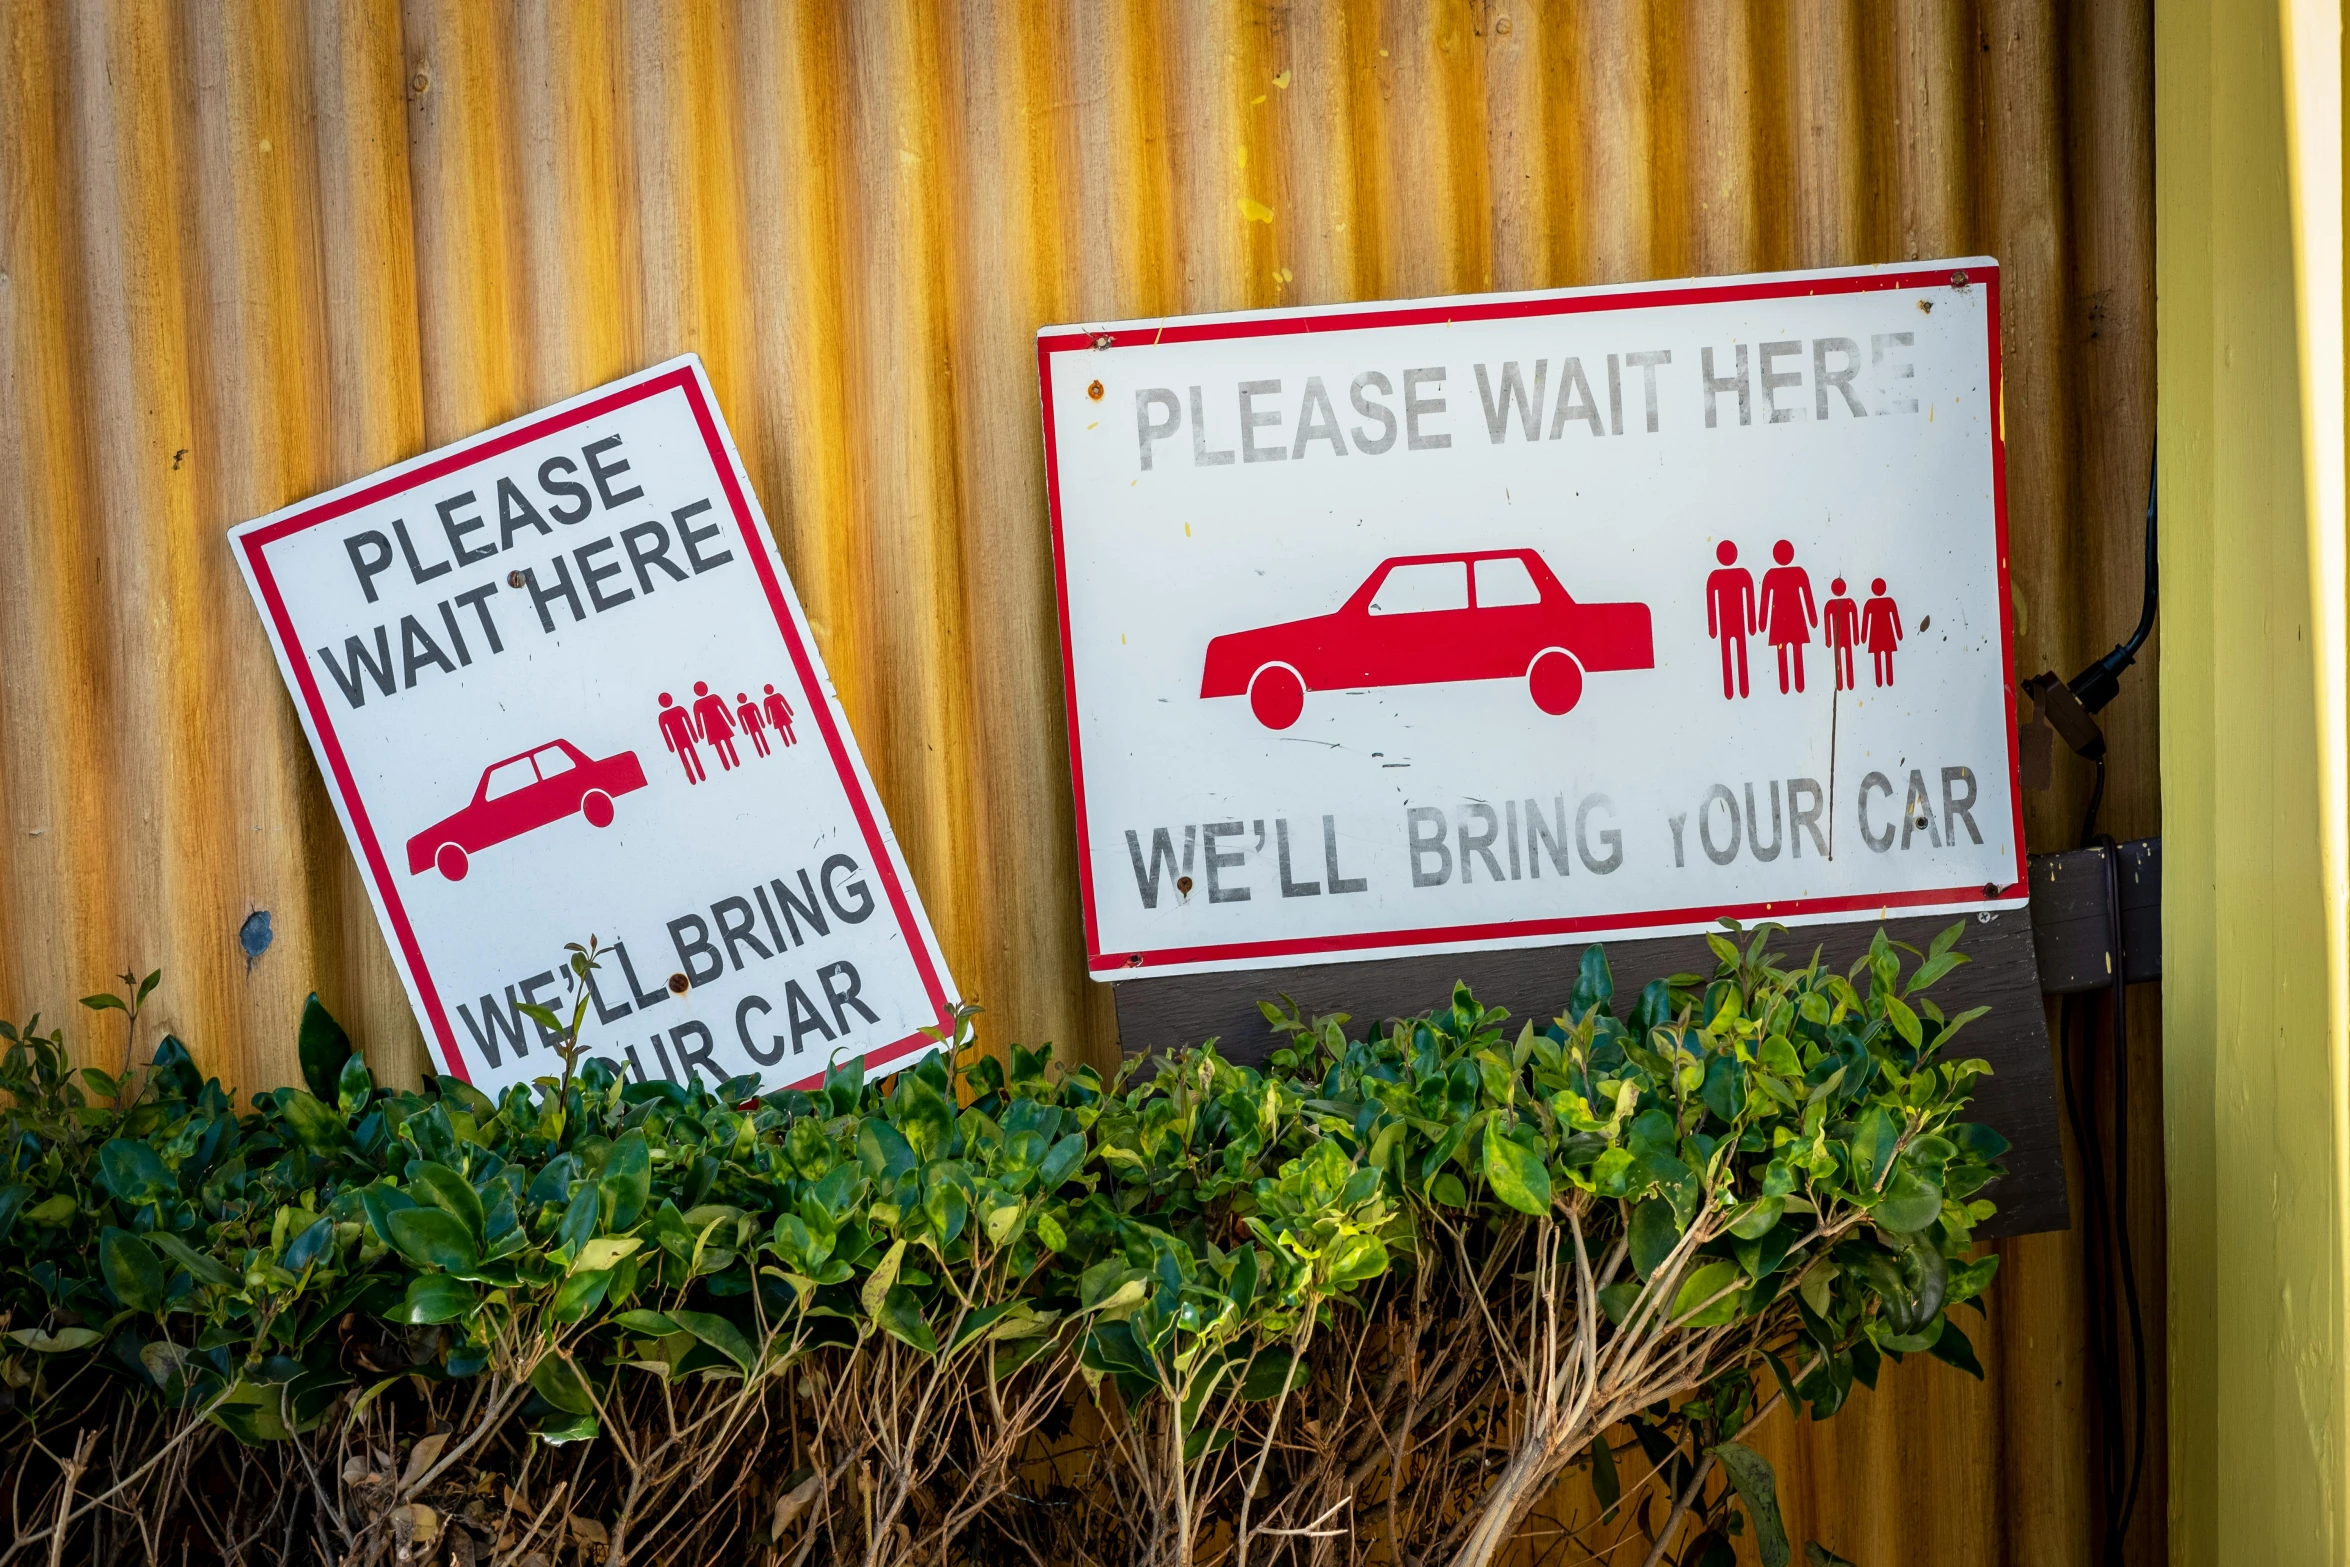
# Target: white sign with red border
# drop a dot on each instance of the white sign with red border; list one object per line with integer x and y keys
{"x": 1513, "y": 619}
{"x": 560, "y": 686}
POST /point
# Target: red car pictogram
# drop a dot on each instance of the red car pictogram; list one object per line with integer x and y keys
{"x": 521, "y": 793}
{"x": 1419, "y": 619}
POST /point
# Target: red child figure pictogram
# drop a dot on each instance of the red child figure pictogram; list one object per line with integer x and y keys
{"x": 779, "y": 714}
{"x": 1787, "y": 614}
{"x": 1880, "y": 627}
{"x": 713, "y": 723}
{"x": 746, "y": 713}
{"x": 677, "y": 732}
{"x": 1840, "y": 626}
{"x": 1729, "y": 614}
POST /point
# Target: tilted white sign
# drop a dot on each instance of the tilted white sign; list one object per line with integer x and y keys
{"x": 560, "y": 686}
{"x": 1515, "y": 619}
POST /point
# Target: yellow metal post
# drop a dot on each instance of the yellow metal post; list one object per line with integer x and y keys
{"x": 2248, "y": 172}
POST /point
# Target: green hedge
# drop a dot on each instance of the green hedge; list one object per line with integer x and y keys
{"x": 1758, "y": 1181}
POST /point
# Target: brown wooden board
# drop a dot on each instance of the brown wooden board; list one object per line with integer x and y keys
{"x": 2019, "y": 1099}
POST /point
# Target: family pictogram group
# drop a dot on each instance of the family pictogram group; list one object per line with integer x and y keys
{"x": 1782, "y": 612}
{"x": 710, "y": 721}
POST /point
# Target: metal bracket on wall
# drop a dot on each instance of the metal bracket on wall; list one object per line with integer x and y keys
{"x": 2072, "y": 928}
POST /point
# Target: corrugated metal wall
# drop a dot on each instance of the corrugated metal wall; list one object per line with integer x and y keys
{"x": 251, "y": 250}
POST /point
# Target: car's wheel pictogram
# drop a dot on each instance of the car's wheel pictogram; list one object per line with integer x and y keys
{"x": 1427, "y": 619}
{"x": 523, "y": 793}
{"x": 1276, "y": 696}
{"x": 1555, "y": 681}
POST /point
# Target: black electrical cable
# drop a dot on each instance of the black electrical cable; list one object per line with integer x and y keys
{"x": 2118, "y": 1013}
{"x": 2101, "y": 682}
{"x": 2106, "y": 1239}
{"x": 2077, "y": 1034}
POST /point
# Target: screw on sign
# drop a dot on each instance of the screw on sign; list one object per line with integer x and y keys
{"x": 1427, "y": 619}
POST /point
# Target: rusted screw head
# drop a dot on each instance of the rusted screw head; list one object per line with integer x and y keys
{"x": 1990, "y": 889}
{"x": 1183, "y": 885}
{"x": 1094, "y": 391}
{"x": 514, "y": 579}
{"x": 679, "y": 984}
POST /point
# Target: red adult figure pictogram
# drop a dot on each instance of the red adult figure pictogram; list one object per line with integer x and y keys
{"x": 677, "y": 733}
{"x": 1729, "y": 613}
{"x": 1840, "y": 626}
{"x": 715, "y": 724}
{"x": 746, "y": 713}
{"x": 778, "y": 714}
{"x": 1880, "y": 628}
{"x": 1787, "y": 614}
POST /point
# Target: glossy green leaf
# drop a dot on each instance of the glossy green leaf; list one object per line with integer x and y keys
{"x": 430, "y": 1181}
{"x": 578, "y": 1225}
{"x": 253, "y": 1413}
{"x": 1908, "y": 1203}
{"x": 1066, "y": 1157}
{"x": 318, "y": 1128}
{"x": 627, "y": 1180}
{"x": 201, "y": 1266}
{"x": 134, "y": 1172}
{"x": 1953, "y": 1348}
{"x": 309, "y": 1246}
{"x": 1758, "y": 1488}
{"x": 433, "y": 1238}
{"x": 901, "y": 1318}
{"x": 555, "y": 1380}
{"x": 1354, "y": 1258}
{"x": 1515, "y": 1173}
{"x": 1606, "y": 1485}
{"x": 925, "y": 1116}
{"x": 354, "y": 1086}
{"x": 1708, "y": 1297}
{"x": 435, "y": 1297}
{"x": 720, "y": 1334}
{"x": 323, "y": 1048}
{"x": 556, "y": 1430}
{"x": 133, "y": 1272}
{"x": 884, "y": 1276}
{"x": 580, "y": 1293}
{"x": 1654, "y": 1234}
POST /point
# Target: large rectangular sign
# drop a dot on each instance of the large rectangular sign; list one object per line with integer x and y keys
{"x": 1512, "y": 619}
{"x": 560, "y": 686}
